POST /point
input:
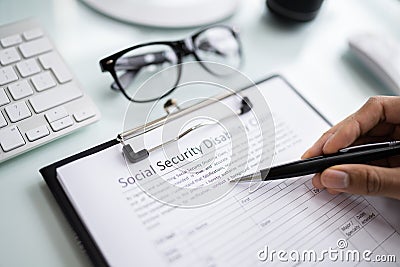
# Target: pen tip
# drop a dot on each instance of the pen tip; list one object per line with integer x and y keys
{"x": 255, "y": 177}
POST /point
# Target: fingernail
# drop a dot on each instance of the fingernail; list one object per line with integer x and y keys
{"x": 335, "y": 179}
{"x": 305, "y": 155}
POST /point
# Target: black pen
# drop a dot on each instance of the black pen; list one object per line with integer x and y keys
{"x": 350, "y": 155}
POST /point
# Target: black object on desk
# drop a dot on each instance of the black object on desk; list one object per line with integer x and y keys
{"x": 298, "y": 10}
{"x": 350, "y": 155}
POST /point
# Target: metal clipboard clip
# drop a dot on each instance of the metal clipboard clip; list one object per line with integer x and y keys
{"x": 137, "y": 156}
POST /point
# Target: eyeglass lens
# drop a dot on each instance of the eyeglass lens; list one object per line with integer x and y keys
{"x": 218, "y": 45}
{"x": 136, "y": 66}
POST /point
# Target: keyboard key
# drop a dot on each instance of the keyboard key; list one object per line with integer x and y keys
{"x": 11, "y": 40}
{"x": 3, "y": 121}
{"x": 9, "y": 55}
{"x": 54, "y": 97}
{"x": 43, "y": 81}
{"x": 33, "y": 34}
{"x": 56, "y": 114}
{"x": 7, "y": 75}
{"x": 37, "y": 133}
{"x": 20, "y": 89}
{"x": 61, "y": 123}
{"x": 84, "y": 114}
{"x": 11, "y": 138}
{"x": 3, "y": 97}
{"x": 35, "y": 47}
{"x": 54, "y": 62}
{"x": 28, "y": 67}
{"x": 18, "y": 111}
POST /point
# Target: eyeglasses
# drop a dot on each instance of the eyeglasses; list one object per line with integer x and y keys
{"x": 131, "y": 67}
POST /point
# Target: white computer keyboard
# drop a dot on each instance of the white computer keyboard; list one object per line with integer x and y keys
{"x": 40, "y": 99}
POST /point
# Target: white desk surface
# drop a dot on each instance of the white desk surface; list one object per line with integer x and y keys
{"x": 313, "y": 56}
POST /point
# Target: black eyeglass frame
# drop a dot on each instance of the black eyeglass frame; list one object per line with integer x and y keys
{"x": 181, "y": 49}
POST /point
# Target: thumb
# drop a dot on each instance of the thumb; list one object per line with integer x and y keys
{"x": 363, "y": 180}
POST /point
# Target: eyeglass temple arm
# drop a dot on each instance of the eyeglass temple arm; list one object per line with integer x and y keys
{"x": 135, "y": 157}
{"x": 139, "y": 61}
{"x": 206, "y": 46}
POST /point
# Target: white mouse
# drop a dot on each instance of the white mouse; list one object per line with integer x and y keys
{"x": 381, "y": 55}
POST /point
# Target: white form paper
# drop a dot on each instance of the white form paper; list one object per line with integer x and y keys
{"x": 241, "y": 229}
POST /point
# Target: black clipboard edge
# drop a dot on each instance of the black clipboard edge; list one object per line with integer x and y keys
{"x": 84, "y": 238}
{"x": 50, "y": 176}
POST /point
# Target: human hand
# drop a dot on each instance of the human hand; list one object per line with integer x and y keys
{"x": 378, "y": 120}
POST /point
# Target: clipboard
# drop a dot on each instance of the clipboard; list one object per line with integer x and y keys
{"x": 83, "y": 236}
{"x": 49, "y": 173}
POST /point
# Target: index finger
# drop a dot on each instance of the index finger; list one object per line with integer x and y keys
{"x": 374, "y": 111}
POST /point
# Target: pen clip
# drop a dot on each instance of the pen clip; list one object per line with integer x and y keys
{"x": 368, "y": 146}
